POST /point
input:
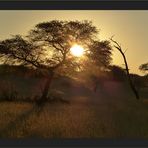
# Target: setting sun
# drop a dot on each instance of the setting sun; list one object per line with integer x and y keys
{"x": 77, "y": 50}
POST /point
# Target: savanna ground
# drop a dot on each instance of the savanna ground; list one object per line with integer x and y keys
{"x": 109, "y": 113}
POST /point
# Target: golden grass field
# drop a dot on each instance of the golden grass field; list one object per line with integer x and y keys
{"x": 112, "y": 114}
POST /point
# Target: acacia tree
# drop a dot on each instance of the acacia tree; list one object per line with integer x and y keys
{"x": 47, "y": 46}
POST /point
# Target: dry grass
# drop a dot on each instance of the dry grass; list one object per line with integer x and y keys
{"x": 82, "y": 118}
{"x": 113, "y": 113}
{"x": 54, "y": 120}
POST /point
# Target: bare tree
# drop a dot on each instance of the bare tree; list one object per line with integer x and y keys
{"x": 119, "y": 48}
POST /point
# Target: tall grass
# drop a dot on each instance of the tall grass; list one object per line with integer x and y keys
{"x": 109, "y": 113}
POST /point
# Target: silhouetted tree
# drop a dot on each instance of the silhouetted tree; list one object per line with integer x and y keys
{"x": 47, "y": 46}
{"x": 118, "y": 47}
{"x": 99, "y": 56}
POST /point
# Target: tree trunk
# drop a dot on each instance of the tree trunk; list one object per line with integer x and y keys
{"x": 129, "y": 78}
{"x": 127, "y": 70}
{"x": 133, "y": 87}
{"x": 44, "y": 96}
{"x": 95, "y": 87}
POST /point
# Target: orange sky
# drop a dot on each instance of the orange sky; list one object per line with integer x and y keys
{"x": 129, "y": 28}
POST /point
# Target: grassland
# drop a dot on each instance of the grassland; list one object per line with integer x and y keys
{"x": 112, "y": 113}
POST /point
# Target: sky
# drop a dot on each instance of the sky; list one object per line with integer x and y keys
{"x": 128, "y": 27}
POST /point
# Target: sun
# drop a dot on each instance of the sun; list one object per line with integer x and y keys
{"x": 77, "y": 50}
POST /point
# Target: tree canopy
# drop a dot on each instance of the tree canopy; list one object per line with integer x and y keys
{"x": 47, "y": 45}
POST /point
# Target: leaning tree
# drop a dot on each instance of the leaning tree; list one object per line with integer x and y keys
{"x": 117, "y": 46}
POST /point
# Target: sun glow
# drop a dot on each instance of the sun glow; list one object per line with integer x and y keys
{"x": 77, "y": 50}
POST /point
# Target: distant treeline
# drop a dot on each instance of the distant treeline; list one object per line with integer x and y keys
{"x": 116, "y": 73}
{"x": 12, "y": 81}
{"x": 20, "y": 70}
{"x": 119, "y": 74}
